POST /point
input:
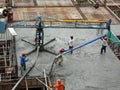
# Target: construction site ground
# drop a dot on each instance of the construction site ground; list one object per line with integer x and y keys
{"x": 86, "y": 68}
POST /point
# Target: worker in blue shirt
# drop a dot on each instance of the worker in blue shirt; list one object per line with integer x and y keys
{"x": 23, "y": 61}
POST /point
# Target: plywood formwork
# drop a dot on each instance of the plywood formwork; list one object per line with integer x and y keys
{"x": 23, "y": 3}
{"x": 43, "y": 3}
{"x": 55, "y": 12}
{"x": 54, "y": 2}
{"x": 100, "y": 14}
{"x": 1, "y": 3}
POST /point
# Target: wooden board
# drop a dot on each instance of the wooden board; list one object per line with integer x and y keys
{"x": 1, "y": 3}
{"x": 98, "y": 14}
{"x": 43, "y": 3}
{"x": 55, "y": 12}
{"x": 54, "y": 2}
{"x": 23, "y": 3}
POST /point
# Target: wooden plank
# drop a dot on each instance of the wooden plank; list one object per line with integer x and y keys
{"x": 44, "y": 3}
{"x": 12, "y": 31}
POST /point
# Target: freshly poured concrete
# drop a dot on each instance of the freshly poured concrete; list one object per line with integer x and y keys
{"x": 85, "y": 69}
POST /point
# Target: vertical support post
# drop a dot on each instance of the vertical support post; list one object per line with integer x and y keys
{"x": 26, "y": 83}
{"x": 13, "y": 3}
{"x": 4, "y": 53}
{"x": 14, "y": 53}
{"x": 0, "y": 77}
{"x": 45, "y": 78}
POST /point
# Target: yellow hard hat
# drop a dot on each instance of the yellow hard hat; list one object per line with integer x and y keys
{"x": 4, "y": 8}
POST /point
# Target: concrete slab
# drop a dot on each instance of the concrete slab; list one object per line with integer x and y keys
{"x": 116, "y": 29}
{"x": 85, "y": 69}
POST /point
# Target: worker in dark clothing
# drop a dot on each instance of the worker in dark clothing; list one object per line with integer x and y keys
{"x": 104, "y": 44}
{"x": 70, "y": 43}
{"x": 23, "y": 61}
{"x": 5, "y": 12}
{"x": 96, "y": 4}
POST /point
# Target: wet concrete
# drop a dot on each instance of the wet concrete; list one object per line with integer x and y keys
{"x": 85, "y": 69}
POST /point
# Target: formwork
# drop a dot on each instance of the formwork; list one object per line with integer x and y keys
{"x": 8, "y": 60}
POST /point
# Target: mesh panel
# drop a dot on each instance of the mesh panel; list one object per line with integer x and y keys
{"x": 113, "y": 37}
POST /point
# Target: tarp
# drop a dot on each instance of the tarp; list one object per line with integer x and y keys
{"x": 113, "y": 37}
{"x": 2, "y": 27}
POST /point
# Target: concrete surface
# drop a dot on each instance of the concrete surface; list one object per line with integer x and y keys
{"x": 85, "y": 69}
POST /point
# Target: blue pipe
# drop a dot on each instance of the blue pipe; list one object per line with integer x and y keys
{"x": 79, "y": 46}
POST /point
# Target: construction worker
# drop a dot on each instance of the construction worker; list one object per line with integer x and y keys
{"x": 104, "y": 44}
{"x": 60, "y": 85}
{"x": 96, "y": 4}
{"x": 59, "y": 58}
{"x": 23, "y": 61}
{"x": 5, "y": 11}
{"x": 70, "y": 43}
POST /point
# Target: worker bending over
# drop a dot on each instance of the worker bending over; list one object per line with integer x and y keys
{"x": 59, "y": 58}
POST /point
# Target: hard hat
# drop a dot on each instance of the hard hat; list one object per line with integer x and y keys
{"x": 59, "y": 81}
{"x": 62, "y": 49}
{"x": 23, "y": 53}
{"x": 105, "y": 38}
{"x": 4, "y": 8}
